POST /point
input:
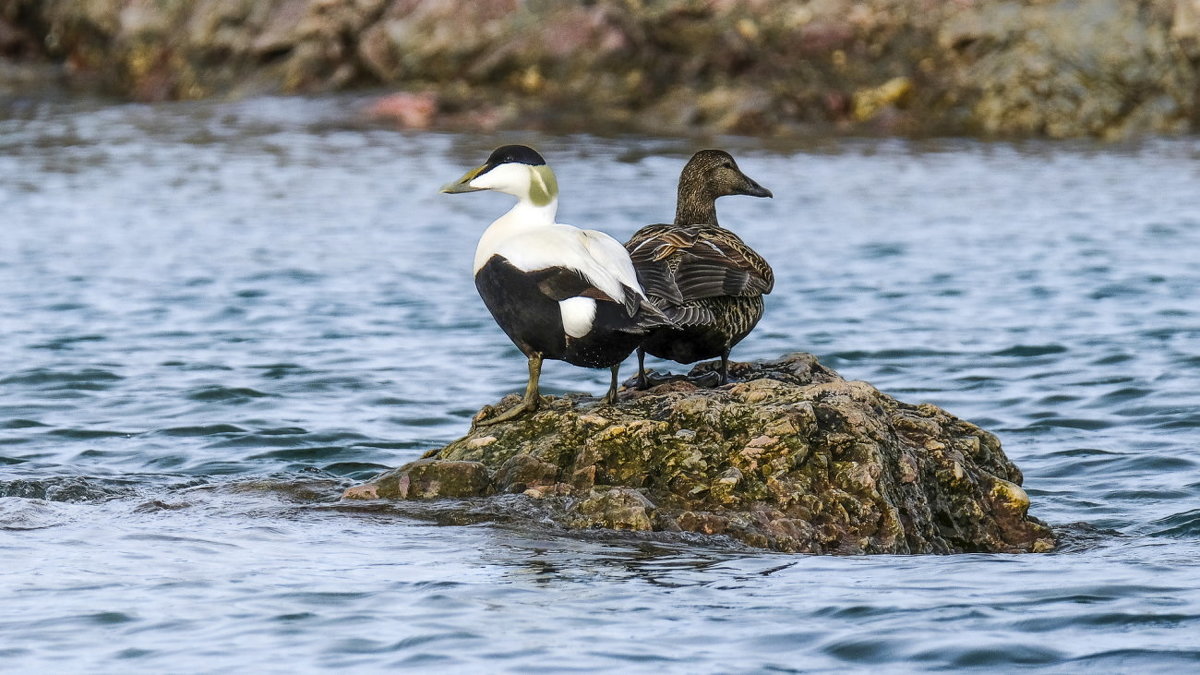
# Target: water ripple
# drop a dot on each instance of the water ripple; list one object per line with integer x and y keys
{"x": 195, "y": 375}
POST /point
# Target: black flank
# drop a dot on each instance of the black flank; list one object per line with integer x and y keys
{"x": 525, "y": 305}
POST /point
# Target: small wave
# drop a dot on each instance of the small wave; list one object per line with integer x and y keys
{"x": 880, "y": 250}
{"x": 1072, "y": 423}
{"x": 398, "y": 445}
{"x": 1083, "y": 452}
{"x": 89, "y": 434}
{"x": 1118, "y": 464}
{"x": 866, "y": 650}
{"x": 278, "y": 371}
{"x": 1141, "y": 660}
{"x": 67, "y": 342}
{"x": 1190, "y": 422}
{"x": 1185, "y": 524}
{"x": 109, "y": 618}
{"x": 863, "y": 355}
{"x": 21, "y": 424}
{"x": 306, "y": 454}
{"x": 1124, "y": 394}
{"x": 1112, "y": 359}
{"x": 276, "y": 438}
{"x": 1031, "y": 350}
{"x": 294, "y": 274}
{"x": 355, "y": 470}
{"x": 88, "y": 379}
{"x": 203, "y": 430}
{"x": 996, "y": 655}
{"x": 1103, "y": 619}
{"x": 220, "y": 394}
{"x": 29, "y": 514}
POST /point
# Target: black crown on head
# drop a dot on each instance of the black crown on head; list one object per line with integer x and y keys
{"x": 518, "y": 154}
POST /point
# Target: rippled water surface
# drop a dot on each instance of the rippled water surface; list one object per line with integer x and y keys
{"x": 215, "y": 317}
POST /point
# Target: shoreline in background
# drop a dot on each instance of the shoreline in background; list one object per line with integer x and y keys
{"x": 1103, "y": 69}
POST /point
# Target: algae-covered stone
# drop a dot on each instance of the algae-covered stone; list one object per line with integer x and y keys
{"x": 792, "y": 458}
{"x": 431, "y": 478}
{"x": 617, "y": 509}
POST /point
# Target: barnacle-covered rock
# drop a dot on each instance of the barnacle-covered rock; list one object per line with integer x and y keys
{"x": 790, "y": 457}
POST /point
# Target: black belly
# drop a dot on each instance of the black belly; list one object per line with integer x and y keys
{"x": 533, "y": 320}
{"x": 734, "y": 318}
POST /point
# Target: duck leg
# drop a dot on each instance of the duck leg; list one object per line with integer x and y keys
{"x": 641, "y": 382}
{"x": 725, "y": 366}
{"x": 529, "y": 403}
{"x": 611, "y": 397}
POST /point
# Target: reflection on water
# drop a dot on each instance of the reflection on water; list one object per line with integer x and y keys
{"x": 218, "y": 315}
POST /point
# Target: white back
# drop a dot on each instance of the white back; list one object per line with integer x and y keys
{"x": 528, "y": 237}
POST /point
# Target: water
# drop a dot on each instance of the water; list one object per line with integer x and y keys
{"x": 217, "y": 316}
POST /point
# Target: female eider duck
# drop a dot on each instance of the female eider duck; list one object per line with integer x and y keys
{"x": 700, "y": 274}
{"x": 559, "y": 292}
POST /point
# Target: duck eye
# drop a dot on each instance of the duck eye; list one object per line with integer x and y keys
{"x": 727, "y": 165}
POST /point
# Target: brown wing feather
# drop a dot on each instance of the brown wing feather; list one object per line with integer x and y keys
{"x": 679, "y": 264}
{"x": 560, "y": 283}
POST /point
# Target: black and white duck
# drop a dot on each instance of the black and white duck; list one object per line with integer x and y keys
{"x": 557, "y": 291}
{"x": 703, "y": 276}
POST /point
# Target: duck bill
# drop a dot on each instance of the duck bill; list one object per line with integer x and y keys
{"x": 464, "y": 184}
{"x": 753, "y": 189}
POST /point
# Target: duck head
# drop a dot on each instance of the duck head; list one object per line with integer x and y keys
{"x": 517, "y": 170}
{"x": 715, "y": 174}
{"x": 710, "y": 174}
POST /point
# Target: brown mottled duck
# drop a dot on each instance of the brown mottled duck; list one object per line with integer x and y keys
{"x": 700, "y": 274}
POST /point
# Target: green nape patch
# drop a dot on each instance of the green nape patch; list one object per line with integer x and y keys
{"x": 543, "y": 187}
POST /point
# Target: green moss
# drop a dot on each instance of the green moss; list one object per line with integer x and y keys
{"x": 841, "y": 475}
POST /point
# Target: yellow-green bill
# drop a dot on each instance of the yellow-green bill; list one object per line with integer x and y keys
{"x": 462, "y": 184}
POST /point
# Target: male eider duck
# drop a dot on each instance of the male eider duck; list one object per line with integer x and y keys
{"x": 559, "y": 292}
{"x": 700, "y": 274}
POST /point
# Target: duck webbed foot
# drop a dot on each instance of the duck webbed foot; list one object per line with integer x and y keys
{"x": 529, "y": 403}
{"x": 707, "y": 380}
{"x": 525, "y": 406}
{"x": 711, "y": 374}
{"x": 651, "y": 378}
{"x": 611, "y": 397}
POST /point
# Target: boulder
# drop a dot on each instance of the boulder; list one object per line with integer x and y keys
{"x": 791, "y": 457}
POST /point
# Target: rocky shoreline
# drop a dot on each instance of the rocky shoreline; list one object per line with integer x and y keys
{"x": 1109, "y": 69}
{"x": 791, "y": 458}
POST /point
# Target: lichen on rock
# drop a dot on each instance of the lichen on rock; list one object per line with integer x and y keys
{"x": 791, "y": 457}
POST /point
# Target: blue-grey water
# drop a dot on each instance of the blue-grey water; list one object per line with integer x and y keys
{"x": 214, "y": 317}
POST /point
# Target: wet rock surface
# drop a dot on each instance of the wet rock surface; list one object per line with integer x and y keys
{"x": 1060, "y": 68}
{"x": 791, "y": 458}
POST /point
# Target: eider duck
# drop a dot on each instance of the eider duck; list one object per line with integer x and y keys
{"x": 557, "y": 291}
{"x": 700, "y": 274}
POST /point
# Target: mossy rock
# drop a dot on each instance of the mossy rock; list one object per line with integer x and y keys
{"x": 791, "y": 457}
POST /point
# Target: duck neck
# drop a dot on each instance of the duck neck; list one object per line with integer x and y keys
{"x": 523, "y": 217}
{"x": 695, "y": 207}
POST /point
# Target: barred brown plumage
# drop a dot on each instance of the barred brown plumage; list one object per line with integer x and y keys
{"x": 703, "y": 276}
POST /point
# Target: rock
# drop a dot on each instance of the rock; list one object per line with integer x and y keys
{"x": 617, "y": 508}
{"x": 407, "y": 110}
{"x": 1108, "y": 69}
{"x": 429, "y": 479}
{"x": 791, "y": 457}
